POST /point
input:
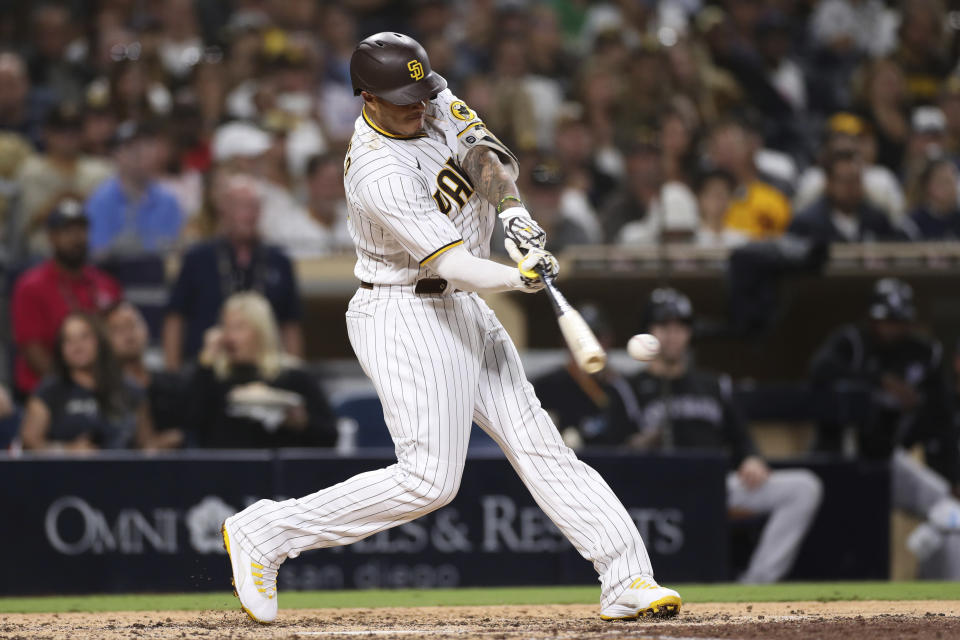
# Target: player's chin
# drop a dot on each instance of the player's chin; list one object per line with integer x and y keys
{"x": 413, "y": 125}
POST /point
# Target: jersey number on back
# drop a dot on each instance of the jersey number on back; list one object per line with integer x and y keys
{"x": 452, "y": 184}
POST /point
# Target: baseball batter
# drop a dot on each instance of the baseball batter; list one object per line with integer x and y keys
{"x": 425, "y": 183}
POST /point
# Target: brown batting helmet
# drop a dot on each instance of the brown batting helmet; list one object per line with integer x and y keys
{"x": 394, "y": 67}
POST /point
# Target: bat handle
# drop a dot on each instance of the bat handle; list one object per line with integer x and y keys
{"x": 547, "y": 280}
{"x": 557, "y": 299}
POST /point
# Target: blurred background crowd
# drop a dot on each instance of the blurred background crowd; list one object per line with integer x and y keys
{"x": 715, "y": 122}
{"x": 210, "y": 135}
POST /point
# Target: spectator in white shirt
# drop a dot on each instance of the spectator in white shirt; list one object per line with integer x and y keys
{"x": 648, "y": 210}
{"x": 865, "y": 26}
{"x": 245, "y": 148}
{"x": 849, "y": 133}
{"x": 327, "y": 203}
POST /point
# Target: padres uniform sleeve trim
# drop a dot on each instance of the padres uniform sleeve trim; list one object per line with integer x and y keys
{"x": 383, "y": 132}
{"x": 475, "y": 124}
{"x": 401, "y": 204}
{"x": 442, "y": 249}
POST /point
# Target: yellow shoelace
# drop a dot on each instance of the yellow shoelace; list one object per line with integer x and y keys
{"x": 265, "y": 579}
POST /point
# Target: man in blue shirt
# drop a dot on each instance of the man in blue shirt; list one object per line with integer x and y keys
{"x": 131, "y": 213}
{"x": 235, "y": 260}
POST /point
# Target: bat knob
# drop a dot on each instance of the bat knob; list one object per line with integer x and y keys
{"x": 532, "y": 274}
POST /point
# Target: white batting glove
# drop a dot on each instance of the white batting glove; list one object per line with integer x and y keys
{"x": 522, "y": 229}
{"x": 527, "y": 262}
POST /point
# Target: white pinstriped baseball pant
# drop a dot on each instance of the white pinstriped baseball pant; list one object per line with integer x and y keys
{"x": 439, "y": 362}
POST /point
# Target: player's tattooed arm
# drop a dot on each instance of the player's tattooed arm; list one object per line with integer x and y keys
{"x": 490, "y": 177}
{"x": 492, "y": 180}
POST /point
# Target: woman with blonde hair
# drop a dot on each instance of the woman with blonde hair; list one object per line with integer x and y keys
{"x": 248, "y": 393}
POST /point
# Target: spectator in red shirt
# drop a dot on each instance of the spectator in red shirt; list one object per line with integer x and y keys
{"x": 44, "y": 295}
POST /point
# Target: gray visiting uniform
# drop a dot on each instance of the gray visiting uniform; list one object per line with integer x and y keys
{"x": 438, "y": 362}
{"x": 695, "y": 411}
{"x": 922, "y": 492}
{"x": 791, "y": 497}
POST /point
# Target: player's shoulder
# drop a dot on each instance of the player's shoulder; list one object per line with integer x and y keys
{"x": 447, "y": 110}
{"x": 365, "y": 141}
{"x": 923, "y": 346}
{"x": 449, "y": 105}
{"x": 35, "y": 276}
{"x": 276, "y": 255}
{"x": 705, "y": 380}
{"x": 851, "y": 333}
{"x": 101, "y": 278}
{"x": 370, "y": 157}
{"x": 203, "y": 251}
{"x": 48, "y": 386}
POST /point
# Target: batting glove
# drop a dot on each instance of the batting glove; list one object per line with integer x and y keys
{"x": 519, "y": 227}
{"x": 528, "y": 262}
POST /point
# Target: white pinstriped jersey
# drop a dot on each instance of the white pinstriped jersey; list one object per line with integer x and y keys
{"x": 439, "y": 363}
{"x": 408, "y": 198}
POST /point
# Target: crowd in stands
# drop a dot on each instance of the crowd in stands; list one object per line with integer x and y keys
{"x": 214, "y": 131}
{"x": 713, "y": 123}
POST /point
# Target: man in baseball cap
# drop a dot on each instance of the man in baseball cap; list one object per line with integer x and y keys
{"x": 61, "y": 169}
{"x": 68, "y": 212}
{"x": 132, "y": 212}
{"x": 901, "y": 400}
{"x": 675, "y": 405}
{"x": 44, "y": 295}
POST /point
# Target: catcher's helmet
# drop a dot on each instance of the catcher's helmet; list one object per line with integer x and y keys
{"x": 892, "y": 299}
{"x": 666, "y": 304}
{"x": 394, "y": 67}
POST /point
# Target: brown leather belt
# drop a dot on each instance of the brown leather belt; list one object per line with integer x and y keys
{"x": 425, "y": 286}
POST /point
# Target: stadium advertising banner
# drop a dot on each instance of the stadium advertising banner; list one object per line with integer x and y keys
{"x": 129, "y": 522}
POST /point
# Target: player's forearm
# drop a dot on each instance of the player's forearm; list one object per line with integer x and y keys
{"x": 470, "y": 273}
{"x": 491, "y": 179}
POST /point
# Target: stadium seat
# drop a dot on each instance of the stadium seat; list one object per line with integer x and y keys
{"x": 143, "y": 278}
{"x": 372, "y": 430}
{"x": 368, "y": 414}
{"x": 9, "y": 428}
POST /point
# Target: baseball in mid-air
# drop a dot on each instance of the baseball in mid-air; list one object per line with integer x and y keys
{"x": 643, "y": 347}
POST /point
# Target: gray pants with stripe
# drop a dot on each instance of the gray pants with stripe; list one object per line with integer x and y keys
{"x": 438, "y": 363}
{"x": 791, "y": 497}
{"x": 922, "y": 492}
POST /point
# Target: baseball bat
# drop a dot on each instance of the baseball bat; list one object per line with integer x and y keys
{"x": 584, "y": 346}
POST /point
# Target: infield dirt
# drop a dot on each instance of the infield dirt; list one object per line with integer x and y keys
{"x": 875, "y": 620}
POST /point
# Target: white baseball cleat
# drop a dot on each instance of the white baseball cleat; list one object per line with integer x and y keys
{"x": 643, "y": 598}
{"x": 255, "y": 584}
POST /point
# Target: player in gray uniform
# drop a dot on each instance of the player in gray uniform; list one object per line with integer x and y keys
{"x": 425, "y": 182}
{"x": 677, "y": 406}
{"x": 901, "y": 373}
